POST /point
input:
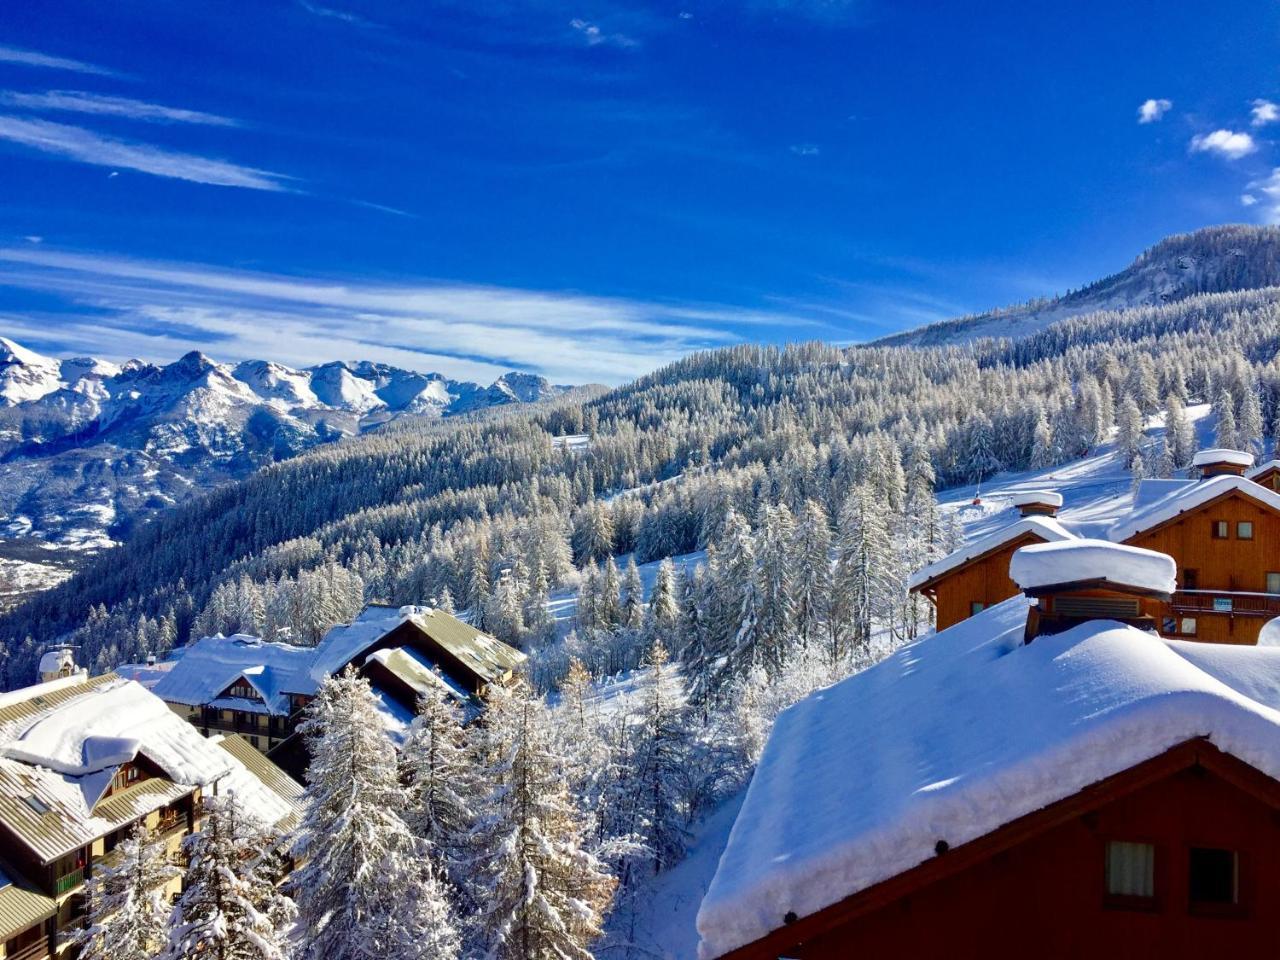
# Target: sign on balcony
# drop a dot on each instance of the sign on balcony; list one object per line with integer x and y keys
{"x": 1221, "y": 604}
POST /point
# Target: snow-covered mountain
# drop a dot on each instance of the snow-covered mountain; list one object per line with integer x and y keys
{"x": 1212, "y": 260}
{"x": 87, "y": 446}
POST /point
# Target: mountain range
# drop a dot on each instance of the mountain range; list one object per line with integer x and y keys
{"x": 88, "y": 447}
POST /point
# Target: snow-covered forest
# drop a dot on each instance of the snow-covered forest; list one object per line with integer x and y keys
{"x": 682, "y": 558}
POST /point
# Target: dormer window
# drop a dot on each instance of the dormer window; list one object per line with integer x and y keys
{"x": 243, "y": 690}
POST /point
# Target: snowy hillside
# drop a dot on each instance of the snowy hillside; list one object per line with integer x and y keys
{"x": 1213, "y": 260}
{"x": 87, "y": 447}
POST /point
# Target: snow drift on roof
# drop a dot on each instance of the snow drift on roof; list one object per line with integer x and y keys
{"x": 1046, "y": 528}
{"x": 1262, "y": 468}
{"x": 210, "y": 665}
{"x": 1157, "y": 488}
{"x": 1189, "y": 497}
{"x": 1048, "y": 497}
{"x": 1221, "y": 455}
{"x": 1072, "y": 561}
{"x": 984, "y": 730}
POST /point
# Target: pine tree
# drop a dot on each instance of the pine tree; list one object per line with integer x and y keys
{"x": 1249, "y": 432}
{"x": 1043, "y": 452}
{"x": 861, "y": 584}
{"x": 1179, "y": 434}
{"x": 540, "y": 894}
{"x": 633, "y": 597}
{"x": 230, "y": 908}
{"x": 811, "y": 566}
{"x": 126, "y": 911}
{"x": 1129, "y": 434}
{"x": 1225, "y": 432}
{"x": 662, "y": 618}
{"x": 439, "y": 767}
{"x": 776, "y": 576}
{"x": 367, "y": 889}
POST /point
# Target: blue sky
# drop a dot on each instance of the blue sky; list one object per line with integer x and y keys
{"x": 590, "y": 189}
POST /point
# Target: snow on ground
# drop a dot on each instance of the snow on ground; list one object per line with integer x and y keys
{"x": 563, "y": 603}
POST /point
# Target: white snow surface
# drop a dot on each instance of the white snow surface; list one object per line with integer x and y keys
{"x": 1047, "y": 527}
{"x": 110, "y": 725}
{"x": 1050, "y": 497}
{"x": 1070, "y": 561}
{"x": 1238, "y": 458}
{"x": 1189, "y": 497}
{"x": 210, "y": 665}
{"x": 984, "y": 730}
{"x": 1262, "y": 468}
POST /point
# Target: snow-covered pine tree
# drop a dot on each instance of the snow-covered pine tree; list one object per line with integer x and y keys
{"x": 367, "y": 888}
{"x": 633, "y": 597}
{"x": 230, "y": 908}
{"x": 608, "y": 611}
{"x": 540, "y": 894}
{"x": 1179, "y": 434}
{"x": 439, "y": 765}
{"x": 1226, "y": 433}
{"x": 810, "y": 562}
{"x": 862, "y": 584}
{"x": 1129, "y": 432}
{"x": 662, "y": 618}
{"x": 126, "y": 910}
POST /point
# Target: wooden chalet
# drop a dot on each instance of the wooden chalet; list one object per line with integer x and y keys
{"x": 245, "y": 685}
{"x": 1098, "y": 791}
{"x": 1224, "y": 534}
{"x": 1266, "y": 475}
{"x": 82, "y": 763}
{"x": 977, "y": 575}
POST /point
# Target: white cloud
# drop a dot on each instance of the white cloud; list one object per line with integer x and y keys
{"x": 805, "y": 149}
{"x": 77, "y": 143}
{"x": 1225, "y": 143}
{"x": 1152, "y": 110}
{"x": 76, "y": 101}
{"x": 596, "y": 37}
{"x": 1264, "y": 112}
{"x": 1265, "y": 194}
{"x": 31, "y": 58}
{"x": 159, "y": 310}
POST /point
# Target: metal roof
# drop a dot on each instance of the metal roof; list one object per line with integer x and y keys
{"x": 20, "y": 906}
{"x": 272, "y": 777}
{"x": 487, "y": 657}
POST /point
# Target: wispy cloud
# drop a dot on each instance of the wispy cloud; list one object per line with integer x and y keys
{"x": 1264, "y": 112}
{"x": 33, "y": 58}
{"x": 1149, "y": 111}
{"x": 86, "y": 146}
{"x": 76, "y": 101}
{"x": 1224, "y": 143}
{"x": 332, "y": 13}
{"x": 159, "y": 310}
{"x": 1265, "y": 194}
{"x": 805, "y": 149}
{"x": 595, "y": 36}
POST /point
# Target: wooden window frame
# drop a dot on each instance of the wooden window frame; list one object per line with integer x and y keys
{"x": 1129, "y": 902}
{"x": 1244, "y": 523}
{"x": 1240, "y": 907}
{"x": 976, "y": 607}
{"x": 1191, "y": 578}
{"x": 1220, "y": 529}
{"x": 1195, "y": 627}
{"x": 1267, "y": 580}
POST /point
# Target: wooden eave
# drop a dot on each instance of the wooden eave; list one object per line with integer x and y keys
{"x": 1196, "y": 753}
{"x": 1026, "y": 538}
{"x": 1096, "y": 583}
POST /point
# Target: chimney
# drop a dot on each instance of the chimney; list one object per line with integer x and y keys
{"x": 1038, "y": 503}
{"x": 1074, "y": 581}
{"x": 1217, "y": 463}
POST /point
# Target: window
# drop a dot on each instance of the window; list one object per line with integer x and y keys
{"x": 976, "y": 607}
{"x": 1191, "y": 579}
{"x": 1273, "y": 582}
{"x": 1169, "y": 626}
{"x": 36, "y": 804}
{"x": 1131, "y": 871}
{"x": 1221, "y": 529}
{"x": 1188, "y": 627}
{"x": 1244, "y": 530}
{"x": 1213, "y": 877}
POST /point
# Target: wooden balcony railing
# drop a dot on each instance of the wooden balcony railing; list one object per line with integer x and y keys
{"x": 34, "y": 951}
{"x": 1238, "y": 603}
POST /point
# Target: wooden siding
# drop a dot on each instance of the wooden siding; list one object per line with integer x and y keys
{"x": 1269, "y": 478}
{"x": 1036, "y": 888}
{"x": 982, "y": 580}
{"x": 1229, "y": 564}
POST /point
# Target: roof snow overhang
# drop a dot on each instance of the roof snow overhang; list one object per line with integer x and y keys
{"x": 1021, "y": 532}
{"x": 1201, "y": 496}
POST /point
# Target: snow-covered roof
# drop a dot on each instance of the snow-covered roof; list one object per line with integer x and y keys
{"x": 1047, "y": 528}
{"x": 985, "y": 730}
{"x": 261, "y": 788}
{"x": 1262, "y": 468}
{"x": 1189, "y": 497}
{"x": 60, "y": 749}
{"x": 1157, "y": 488}
{"x": 1028, "y": 497}
{"x": 1239, "y": 458}
{"x": 210, "y": 665}
{"x": 57, "y": 660}
{"x": 1043, "y": 565}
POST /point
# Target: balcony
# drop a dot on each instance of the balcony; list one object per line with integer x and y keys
{"x": 1234, "y": 602}
{"x": 35, "y": 951}
{"x": 69, "y": 881}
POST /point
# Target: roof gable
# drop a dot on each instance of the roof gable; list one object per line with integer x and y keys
{"x": 1046, "y": 529}
{"x": 1191, "y": 499}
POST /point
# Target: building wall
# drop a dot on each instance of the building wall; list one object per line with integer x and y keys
{"x": 1227, "y": 565}
{"x": 985, "y": 581}
{"x": 1046, "y": 898}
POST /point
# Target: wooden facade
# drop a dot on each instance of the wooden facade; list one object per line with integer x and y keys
{"x": 977, "y": 584}
{"x": 1228, "y": 556}
{"x": 1268, "y": 475}
{"x": 1207, "y": 824}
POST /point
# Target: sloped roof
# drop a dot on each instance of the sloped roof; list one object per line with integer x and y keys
{"x": 21, "y": 907}
{"x": 60, "y": 747}
{"x": 985, "y": 730}
{"x": 1047, "y": 528}
{"x": 262, "y": 788}
{"x": 1190, "y": 497}
{"x": 1262, "y": 468}
{"x": 1045, "y": 565}
{"x": 211, "y": 664}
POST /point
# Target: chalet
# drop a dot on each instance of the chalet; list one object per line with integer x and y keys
{"x": 1098, "y": 791}
{"x": 1266, "y": 475}
{"x": 82, "y": 762}
{"x": 1223, "y": 531}
{"x": 977, "y": 575}
{"x": 245, "y": 685}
